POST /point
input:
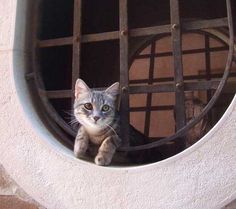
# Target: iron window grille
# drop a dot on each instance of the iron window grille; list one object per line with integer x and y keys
{"x": 175, "y": 28}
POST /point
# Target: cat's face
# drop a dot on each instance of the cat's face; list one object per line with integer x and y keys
{"x": 95, "y": 110}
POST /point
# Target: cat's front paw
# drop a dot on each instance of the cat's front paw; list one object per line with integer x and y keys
{"x": 80, "y": 149}
{"x": 102, "y": 160}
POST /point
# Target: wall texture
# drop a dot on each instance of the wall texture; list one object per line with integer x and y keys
{"x": 12, "y": 196}
{"x": 203, "y": 176}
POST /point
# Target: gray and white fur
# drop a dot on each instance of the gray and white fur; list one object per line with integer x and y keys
{"x": 99, "y": 133}
{"x": 97, "y": 114}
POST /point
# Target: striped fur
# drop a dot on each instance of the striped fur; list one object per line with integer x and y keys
{"x": 98, "y": 127}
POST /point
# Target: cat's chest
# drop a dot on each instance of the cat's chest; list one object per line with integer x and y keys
{"x": 97, "y": 139}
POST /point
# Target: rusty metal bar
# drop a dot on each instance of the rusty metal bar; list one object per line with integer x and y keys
{"x": 124, "y": 70}
{"x": 100, "y": 37}
{"x": 203, "y": 24}
{"x": 180, "y": 119}
{"x": 76, "y": 52}
{"x": 154, "y": 30}
{"x": 201, "y": 85}
{"x": 152, "y": 108}
{"x": 214, "y": 98}
{"x": 56, "y": 94}
{"x": 208, "y": 72}
{"x": 77, "y": 26}
{"x": 149, "y": 95}
{"x": 55, "y": 42}
{"x": 63, "y": 138}
{"x": 187, "y": 26}
{"x": 155, "y": 88}
{"x": 169, "y": 87}
{"x": 76, "y": 41}
{"x": 52, "y": 114}
{"x": 123, "y": 36}
{"x": 190, "y": 51}
{"x": 90, "y": 38}
{"x": 86, "y": 38}
{"x": 207, "y": 57}
{"x": 169, "y": 79}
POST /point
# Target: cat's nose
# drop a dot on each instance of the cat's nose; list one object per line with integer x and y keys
{"x": 96, "y": 118}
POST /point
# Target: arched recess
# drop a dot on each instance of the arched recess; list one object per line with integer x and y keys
{"x": 202, "y": 176}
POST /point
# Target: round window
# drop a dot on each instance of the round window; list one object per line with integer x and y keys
{"x": 175, "y": 70}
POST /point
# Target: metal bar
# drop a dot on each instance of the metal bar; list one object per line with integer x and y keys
{"x": 208, "y": 71}
{"x": 191, "y": 51}
{"x": 58, "y": 94}
{"x": 86, "y": 38}
{"x": 124, "y": 70}
{"x": 63, "y": 138}
{"x": 112, "y": 35}
{"x": 152, "y": 108}
{"x": 169, "y": 79}
{"x": 156, "y": 88}
{"x": 51, "y": 112}
{"x": 156, "y": 138}
{"x": 100, "y": 37}
{"x": 76, "y": 41}
{"x": 170, "y": 87}
{"x": 55, "y": 42}
{"x": 187, "y": 25}
{"x": 203, "y": 24}
{"x": 150, "y": 30}
{"x": 149, "y": 95}
{"x": 207, "y": 57}
{"x": 77, "y": 25}
{"x": 178, "y": 66}
{"x": 201, "y": 85}
{"x": 147, "y": 31}
{"x": 211, "y": 103}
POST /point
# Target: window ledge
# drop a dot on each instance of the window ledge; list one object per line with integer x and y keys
{"x": 203, "y": 176}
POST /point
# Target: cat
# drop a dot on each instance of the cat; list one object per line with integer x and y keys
{"x": 99, "y": 132}
{"x": 96, "y": 112}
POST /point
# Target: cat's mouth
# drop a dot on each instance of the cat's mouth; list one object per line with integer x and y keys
{"x": 97, "y": 123}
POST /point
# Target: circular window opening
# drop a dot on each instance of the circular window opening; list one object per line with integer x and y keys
{"x": 163, "y": 97}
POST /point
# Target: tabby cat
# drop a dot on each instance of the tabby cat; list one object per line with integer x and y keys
{"x": 99, "y": 132}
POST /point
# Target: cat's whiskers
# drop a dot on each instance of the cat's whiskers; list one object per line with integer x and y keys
{"x": 98, "y": 123}
{"x": 113, "y": 130}
{"x": 72, "y": 122}
{"x": 71, "y": 116}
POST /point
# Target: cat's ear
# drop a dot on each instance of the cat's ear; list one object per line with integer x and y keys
{"x": 114, "y": 89}
{"x": 81, "y": 88}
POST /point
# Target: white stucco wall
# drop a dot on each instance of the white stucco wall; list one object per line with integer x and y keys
{"x": 201, "y": 177}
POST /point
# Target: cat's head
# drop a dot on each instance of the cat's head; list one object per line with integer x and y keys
{"x": 95, "y": 110}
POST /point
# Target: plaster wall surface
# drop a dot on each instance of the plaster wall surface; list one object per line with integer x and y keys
{"x": 12, "y": 196}
{"x": 201, "y": 177}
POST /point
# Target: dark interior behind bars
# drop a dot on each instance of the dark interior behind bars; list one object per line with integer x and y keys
{"x": 100, "y": 64}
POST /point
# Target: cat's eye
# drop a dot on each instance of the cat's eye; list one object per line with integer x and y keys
{"x": 88, "y": 106}
{"x": 105, "y": 108}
